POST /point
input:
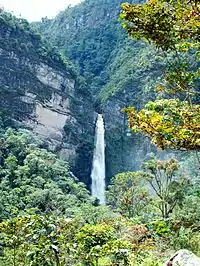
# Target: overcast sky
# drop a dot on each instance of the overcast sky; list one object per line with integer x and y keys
{"x": 34, "y": 10}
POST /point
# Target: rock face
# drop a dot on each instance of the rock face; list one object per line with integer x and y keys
{"x": 183, "y": 258}
{"x": 124, "y": 151}
{"x": 43, "y": 102}
{"x": 41, "y": 93}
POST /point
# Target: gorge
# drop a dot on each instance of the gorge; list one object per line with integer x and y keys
{"x": 102, "y": 53}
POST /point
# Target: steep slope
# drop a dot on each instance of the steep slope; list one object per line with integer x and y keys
{"x": 87, "y": 34}
{"x": 91, "y": 35}
{"x": 118, "y": 71}
{"x": 42, "y": 92}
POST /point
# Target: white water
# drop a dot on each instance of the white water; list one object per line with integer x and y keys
{"x": 98, "y": 165}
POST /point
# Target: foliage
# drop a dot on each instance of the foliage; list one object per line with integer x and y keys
{"x": 168, "y": 187}
{"x": 127, "y": 193}
{"x": 100, "y": 49}
{"x": 33, "y": 177}
{"x": 117, "y": 71}
{"x": 187, "y": 238}
{"x": 64, "y": 228}
{"x": 89, "y": 39}
{"x": 165, "y": 23}
{"x": 95, "y": 214}
{"x": 18, "y": 35}
{"x": 145, "y": 62}
{"x": 188, "y": 214}
{"x": 30, "y": 240}
{"x": 44, "y": 240}
{"x": 160, "y": 228}
{"x": 156, "y": 191}
{"x": 155, "y": 210}
{"x": 169, "y": 123}
{"x": 175, "y": 26}
{"x": 91, "y": 239}
{"x": 149, "y": 260}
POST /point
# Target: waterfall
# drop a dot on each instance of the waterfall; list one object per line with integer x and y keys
{"x": 98, "y": 165}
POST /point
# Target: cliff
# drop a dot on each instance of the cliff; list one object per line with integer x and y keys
{"x": 42, "y": 92}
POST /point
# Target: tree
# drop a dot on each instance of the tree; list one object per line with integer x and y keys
{"x": 172, "y": 26}
{"x": 127, "y": 193}
{"x": 159, "y": 189}
{"x": 168, "y": 24}
{"x": 169, "y": 123}
{"x": 29, "y": 239}
{"x": 168, "y": 188}
{"x": 90, "y": 240}
{"x": 31, "y": 177}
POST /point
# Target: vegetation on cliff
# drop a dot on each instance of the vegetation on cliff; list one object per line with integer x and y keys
{"x": 17, "y": 35}
{"x": 33, "y": 73}
{"x": 91, "y": 36}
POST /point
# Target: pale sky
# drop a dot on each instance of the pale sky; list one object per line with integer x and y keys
{"x": 34, "y": 10}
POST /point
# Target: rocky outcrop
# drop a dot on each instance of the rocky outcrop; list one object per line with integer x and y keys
{"x": 183, "y": 258}
{"x": 36, "y": 95}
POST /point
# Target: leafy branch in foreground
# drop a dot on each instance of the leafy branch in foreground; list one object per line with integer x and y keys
{"x": 169, "y": 123}
{"x": 170, "y": 26}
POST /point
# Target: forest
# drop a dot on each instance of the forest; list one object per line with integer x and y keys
{"x": 47, "y": 214}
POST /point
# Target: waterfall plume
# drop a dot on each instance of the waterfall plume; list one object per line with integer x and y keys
{"x": 98, "y": 165}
